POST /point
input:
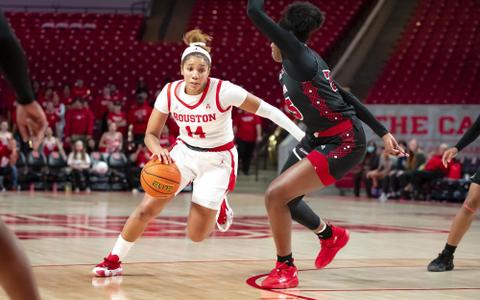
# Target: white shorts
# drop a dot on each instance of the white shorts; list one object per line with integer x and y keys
{"x": 213, "y": 173}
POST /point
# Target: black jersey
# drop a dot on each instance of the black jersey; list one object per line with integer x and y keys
{"x": 316, "y": 102}
{"x": 469, "y": 136}
{"x": 310, "y": 92}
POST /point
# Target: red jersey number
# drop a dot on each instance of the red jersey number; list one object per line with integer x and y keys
{"x": 293, "y": 109}
{"x": 328, "y": 76}
{"x": 198, "y": 131}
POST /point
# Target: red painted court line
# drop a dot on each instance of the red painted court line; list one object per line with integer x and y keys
{"x": 252, "y": 282}
{"x": 396, "y": 289}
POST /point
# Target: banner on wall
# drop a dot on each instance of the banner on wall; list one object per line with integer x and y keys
{"x": 431, "y": 125}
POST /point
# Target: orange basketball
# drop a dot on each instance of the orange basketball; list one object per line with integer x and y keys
{"x": 160, "y": 180}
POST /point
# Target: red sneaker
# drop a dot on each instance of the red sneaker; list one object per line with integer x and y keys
{"x": 111, "y": 266}
{"x": 331, "y": 246}
{"x": 282, "y": 277}
{"x": 224, "y": 216}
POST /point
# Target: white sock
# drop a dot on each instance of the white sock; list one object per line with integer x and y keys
{"x": 122, "y": 247}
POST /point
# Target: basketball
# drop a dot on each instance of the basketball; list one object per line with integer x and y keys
{"x": 160, "y": 180}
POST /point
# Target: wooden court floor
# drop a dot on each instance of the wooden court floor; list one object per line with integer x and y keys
{"x": 65, "y": 235}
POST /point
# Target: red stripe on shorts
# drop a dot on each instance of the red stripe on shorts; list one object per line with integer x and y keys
{"x": 233, "y": 178}
{"x": 320, "y": 163}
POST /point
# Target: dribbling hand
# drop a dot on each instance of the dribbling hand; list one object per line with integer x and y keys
{"x": 163, "y": 155}
{"x": 449, "y": 155}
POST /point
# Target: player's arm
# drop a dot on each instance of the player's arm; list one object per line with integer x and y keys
{"x": 156, "y": 122}
{"x": 291, "y": 48}
{"x": 13, "y": 63}
{"x": 467, "y": 138}
{"x": 31, "y": 119}
{"x": 362, "y": 112}
{"x": 255, "y": 105}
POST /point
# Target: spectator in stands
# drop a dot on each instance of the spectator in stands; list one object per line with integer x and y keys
{"x": 112, "y": 140}
{"x": 377, "y": 175}
{"x": 45, "y": 97}
{"x": 118, "y": 117}
{"x": 8, "y": 160}
{"x": 78, "y": 123}
{"x": 52, "y": 144}
{"x": 52, "y": 115}
{"x": 80, "y": 90}
{"x": 166, "y": 139}
{"x": 400, "y": 182}
{"x": 138, "y": 117}
{"x": 60, "y": 111}
{"x": 434, "y": 169}
{"x": 79, "y": 161}
{"x": 398, "y": 167}
{"x": 5, "y": 135}
{"x": 248, "y": 131}
{"x": 139, "y": 158}
{"x": 141, "y": 86}
{"x": 91, "y": 146}
{"x": 67, "y": 97}
{"x": 100, "y": 107}
{"x": 369, "y": 162}
{"x": 117, "y": 95}
{"x": 36, "y": 88}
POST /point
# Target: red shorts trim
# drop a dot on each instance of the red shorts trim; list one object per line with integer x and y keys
{"x": 335, "y": 130}
{"x": 233, "y": 178}
{"x": 320, "y": 163}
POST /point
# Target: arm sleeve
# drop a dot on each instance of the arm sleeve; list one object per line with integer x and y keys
{"x": 362, "y": 112}
{"x": 265, "y": 110}
{"x": 469, "y": 136}
{"x": 161, "y": 104}
{"x": 232, "y": 95}
{"x": 13, "y": 63}
{"x": 302, "y": 60}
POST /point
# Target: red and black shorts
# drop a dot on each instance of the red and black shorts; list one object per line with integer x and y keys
{"x": 332, "y": 152}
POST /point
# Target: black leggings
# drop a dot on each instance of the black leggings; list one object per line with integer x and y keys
{"x": 337, "y": 168}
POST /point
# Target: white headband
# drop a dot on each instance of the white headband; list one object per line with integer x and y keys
{"x": 195, "y": 48}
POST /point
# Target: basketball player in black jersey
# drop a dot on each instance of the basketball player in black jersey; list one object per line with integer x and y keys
{"x": 466, "y": 214}
{"x": 334, "y": 143}
{"x": 15, "y": 274}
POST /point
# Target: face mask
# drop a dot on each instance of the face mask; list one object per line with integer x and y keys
{"x": 370, "y": 149}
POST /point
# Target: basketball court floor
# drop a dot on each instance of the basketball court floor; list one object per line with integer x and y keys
{"x": 65, "y": 235}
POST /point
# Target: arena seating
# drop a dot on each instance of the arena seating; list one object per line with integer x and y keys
{"x": 437, "y": 59}
{"x": 103, "y": 48}
{"x": 99, "y": 48}
{"x": 242, "y": 55}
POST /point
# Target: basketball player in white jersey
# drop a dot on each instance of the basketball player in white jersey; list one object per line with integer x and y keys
{"x": 204, "y": 152}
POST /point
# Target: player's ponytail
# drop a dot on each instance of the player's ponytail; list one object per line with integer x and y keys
{"x": 197, "y": 41}
{"x": 197, "y": 36}
{"x": 301, "y": 18}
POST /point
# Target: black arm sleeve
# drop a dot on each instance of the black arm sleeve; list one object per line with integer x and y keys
{"x": 362, "y": 112}
{"x": 303, "y": 62}
{"x": 13, "y": 63}
{"x": 470, "y": 135}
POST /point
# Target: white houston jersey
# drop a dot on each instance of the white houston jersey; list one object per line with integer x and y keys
{"x": 204, "y": 120}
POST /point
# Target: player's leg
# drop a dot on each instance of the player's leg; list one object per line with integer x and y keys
{"x": 15, "y": 273}
{"x": 201, "y": 222}
{"x": 139, "y": 219}
{"x": 210, "y": 188}
{"x": 460, "y": 225}
{"x": 323, "y": 166}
